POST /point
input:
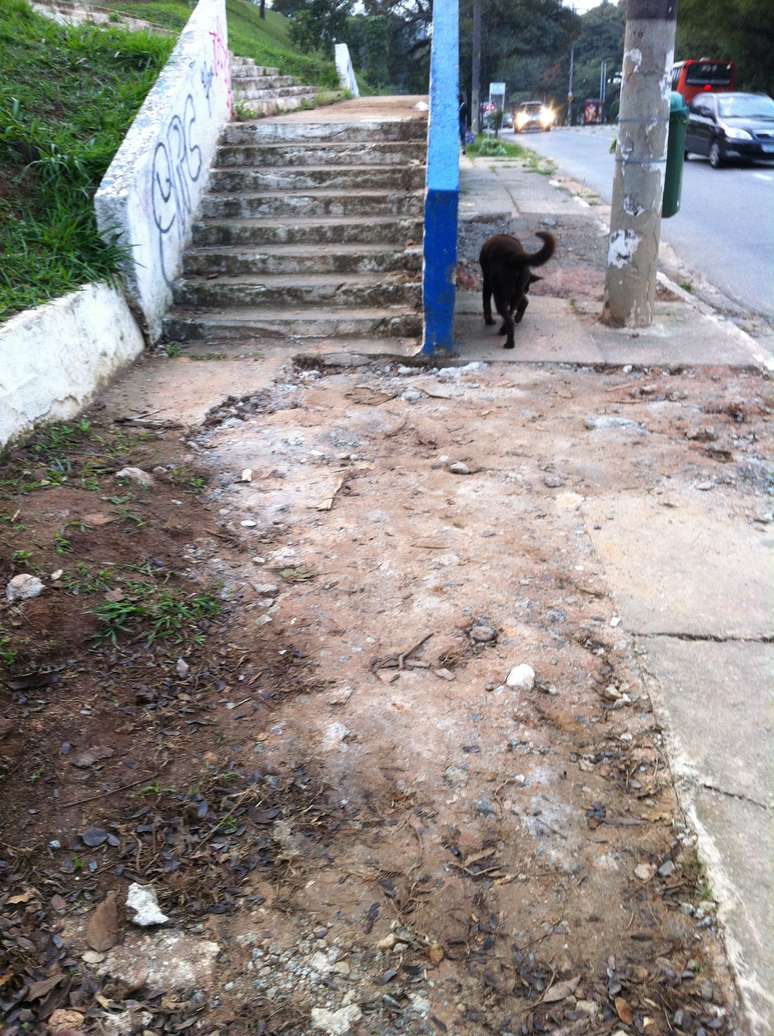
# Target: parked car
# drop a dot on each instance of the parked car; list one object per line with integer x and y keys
{"x": 730, "y": 125}
{"x": 533, "y": 115}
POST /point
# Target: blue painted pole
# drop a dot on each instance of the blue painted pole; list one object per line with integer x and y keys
{"x": 442, "y": 181}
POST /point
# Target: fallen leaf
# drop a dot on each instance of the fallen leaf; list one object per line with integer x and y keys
{"x": 90, "y": 756}
{"x": 37, "y": 990}
{"x": 102, "y": 931}
{"x": 560, "y": 990}
{"x": 623, "y": 1010}
{"x": 23, "y": 897}
{"x": 436, "y": 953}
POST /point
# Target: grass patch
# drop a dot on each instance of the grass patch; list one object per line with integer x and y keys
{"x": 485, "y": 146}
{"x": 150, "y": 612}
{"x": 72, "y": 453}
{"x": 249, "y": 36}
{"x": 67, "y": 98}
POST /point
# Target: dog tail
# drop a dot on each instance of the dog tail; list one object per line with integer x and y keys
{"x": 545, "y": 253}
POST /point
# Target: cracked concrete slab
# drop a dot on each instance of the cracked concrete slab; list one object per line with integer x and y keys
{"x": 737, "y": 844}
{"x": 690, "y": 567}
{"x": 719, "y": 701}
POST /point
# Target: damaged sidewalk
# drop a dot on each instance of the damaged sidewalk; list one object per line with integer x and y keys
{"x": 407, "y": 687}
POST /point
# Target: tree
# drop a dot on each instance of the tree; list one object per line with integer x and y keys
{"x": 730, "y": 30}
{"x": 318, "y": 24}
{"x": 520, "y": 39}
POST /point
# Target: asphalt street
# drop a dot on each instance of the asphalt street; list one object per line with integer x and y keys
{"x": 725, "y": 227}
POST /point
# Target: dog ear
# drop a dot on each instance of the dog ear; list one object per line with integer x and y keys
{"x": 534, "y": 277}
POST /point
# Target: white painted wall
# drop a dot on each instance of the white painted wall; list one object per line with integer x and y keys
{"x": 345, "y": 70}
{"x": 55, "y": 357}
{"x": 150, "y": 195}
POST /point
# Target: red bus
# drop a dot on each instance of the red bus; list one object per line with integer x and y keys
{"x": 690, "y": 78}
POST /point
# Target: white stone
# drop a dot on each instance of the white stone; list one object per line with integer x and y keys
{"x": 247, "y": 475}
{"x": 521, "y": 677}
{"x": 182, "y": 668}
{"x": 336, "y": 735}
{"x": 23, "y": 587}
{"x": 248, "y": 523}
{"x": 644, "y": 871}
{"x": 459, "y": 468}
{"x": 53, "y": 358}
{"x": 150, "y": 195}
{"x": 142, "y": 478}
{"x": 142, "y": 899}
{"x": 164, "y": 959}
{"x": 336, "y": 1023}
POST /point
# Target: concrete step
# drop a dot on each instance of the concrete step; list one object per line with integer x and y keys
{"x": 380, "y": 153}
{"x": 314, "y": 258}
{"x": 246, "y": 346}
{"x": 355, "y": 290}
{"x": 278, "y": 105}
{"x": 261, "y": 82}
{"x": 389, "y": 177}
{"x": 325, "y": 132}
{"x": 244, "y": 68}
{"x": 312, "y": 203}
{"x": 330, "y": 230}
{"x": 261, "y": 85}
{"x": 186, "y": 325}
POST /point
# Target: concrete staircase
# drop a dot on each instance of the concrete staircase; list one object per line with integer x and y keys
{"x": 310, "y": 230}
{"x": 263, "y": 91}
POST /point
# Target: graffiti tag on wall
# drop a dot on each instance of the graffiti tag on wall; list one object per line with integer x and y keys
{"x": 178, "y": 163}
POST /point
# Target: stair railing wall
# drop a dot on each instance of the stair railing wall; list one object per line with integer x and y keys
{"x": 150, "y": 195}
{"x": 442, "y": 181}
{"x": 346, "y": 72}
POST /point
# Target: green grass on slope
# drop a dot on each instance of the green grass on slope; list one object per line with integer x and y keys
{"x": 67, "y": 98}
{"x": 249, "y": 36}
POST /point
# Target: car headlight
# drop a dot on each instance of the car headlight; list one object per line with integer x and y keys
{"x": 521, "y": 119}
{"x": 547, "y": 116}
{"x": 736, "y": 134}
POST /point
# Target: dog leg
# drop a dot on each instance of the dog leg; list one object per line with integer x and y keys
{"x": 488, "y": 319}
{"x": 521, "y": 309}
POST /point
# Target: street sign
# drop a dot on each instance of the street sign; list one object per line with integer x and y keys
{"x": 497, "y": 95}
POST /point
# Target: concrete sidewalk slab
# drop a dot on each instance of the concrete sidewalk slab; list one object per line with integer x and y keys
{"x": 558, "y": 330}
{"x": 718, "y": 698}
{"x": 690, "y": 568}
{"x": 737, "y": 844}
{"x": 514, "y": 198}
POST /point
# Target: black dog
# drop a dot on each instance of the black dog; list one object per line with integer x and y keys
{"x": 507, "y": 276}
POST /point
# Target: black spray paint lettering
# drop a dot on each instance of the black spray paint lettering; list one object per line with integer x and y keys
{"x": 177, "y": 163}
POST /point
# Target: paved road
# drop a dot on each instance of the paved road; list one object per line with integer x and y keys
{"x": 725, "y": 227}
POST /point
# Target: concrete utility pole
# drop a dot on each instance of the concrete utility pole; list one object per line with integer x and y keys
{"x": 570, "y": 85}
{"x": 640, "y": 162}
{"x": 475, "y": 72}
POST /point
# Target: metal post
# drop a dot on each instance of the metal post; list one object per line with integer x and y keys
{"x": 475, "y": 72}
{"x": 640, "y": 161}
{"x": 570, "y": 85}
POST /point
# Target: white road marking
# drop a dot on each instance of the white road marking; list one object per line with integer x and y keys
{"x": 764, "y": 176}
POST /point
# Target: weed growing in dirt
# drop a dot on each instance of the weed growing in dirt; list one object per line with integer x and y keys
{"x": 148, "y": 611}
{"x": 7, "y": 651}
{"x": 185, "y": 476}
{"x": 84, "y": 580}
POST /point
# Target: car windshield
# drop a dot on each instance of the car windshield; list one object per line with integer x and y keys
{"x": 746, "y": 106}
{"x": 531, "y": 106}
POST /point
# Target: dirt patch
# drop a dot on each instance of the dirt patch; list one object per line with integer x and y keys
{"x": 323, "y": 772}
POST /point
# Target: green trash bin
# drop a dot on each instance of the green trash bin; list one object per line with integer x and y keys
{"x": 678, "y": 124}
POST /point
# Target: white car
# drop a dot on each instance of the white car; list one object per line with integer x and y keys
{"x": 534, "y": 115}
